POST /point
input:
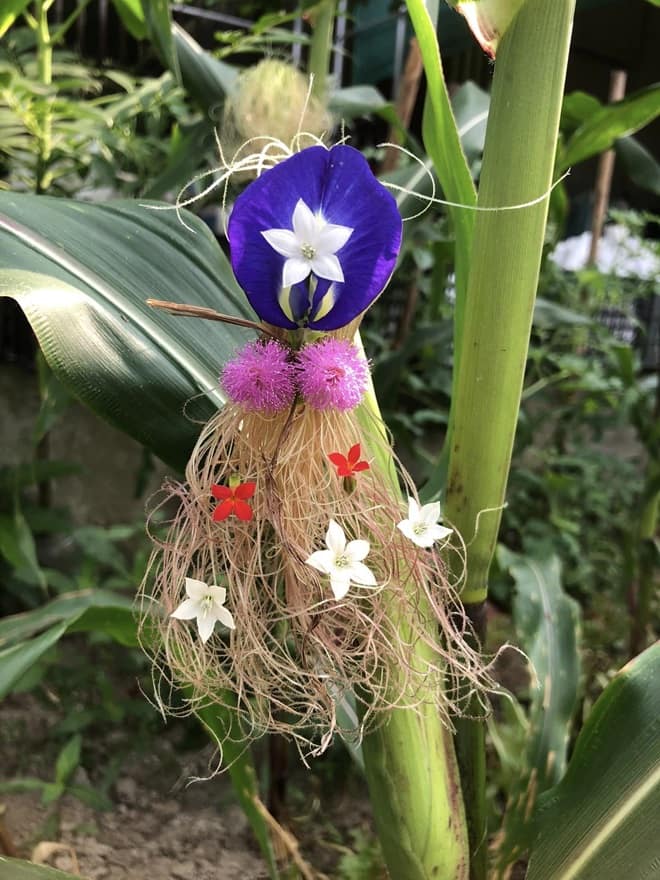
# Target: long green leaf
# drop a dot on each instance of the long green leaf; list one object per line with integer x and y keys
{"x": 547, "y": 622}
{"x": 17, "y": 869}
{"x": 443, "y": 145}
{"x": 206, "y": 79}
{"x": 9, "y": 12}
{"x": 602, "y": 819}
{"x": 547, "y": 625}
{"x": 639, "y": 164}
{"x": 82, "y": 273}
{"x": 17, "y": 660}
{"x": 159, "y": 24}
{"x": 132, "y": 17}
{"x": 603, "y": 128}
{"x": 68, "y": 608}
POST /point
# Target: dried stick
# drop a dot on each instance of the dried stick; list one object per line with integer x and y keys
{"x": 618, "y": 80}
{"x": 186, "y": 311}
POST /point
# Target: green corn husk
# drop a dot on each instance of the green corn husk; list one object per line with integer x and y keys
{"x": 412, "y": 773}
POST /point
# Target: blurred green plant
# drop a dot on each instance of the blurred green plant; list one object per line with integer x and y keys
{"x": 86, "y": 132}
{"x": 18, "y": 869}
{"x": 63, "y": 782}
{"x": 532, "y": 745}
{"x": 262, "y": 37}
{"x": 364, "y": 861}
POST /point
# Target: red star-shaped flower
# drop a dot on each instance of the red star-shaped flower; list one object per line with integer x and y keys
{"x": 233, "y": 501}
{"x": 348, "y": 465}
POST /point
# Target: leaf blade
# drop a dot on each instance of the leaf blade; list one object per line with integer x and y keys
{"x": 82, "y": 274}
{"x": 596, "y": 823}
{"x": 17, "y": 660}
{"x": 547, "y": 625}
{"x": 611, "y": 122}
{"x": 18, "y": 869}
{"x": 9, "y": 12}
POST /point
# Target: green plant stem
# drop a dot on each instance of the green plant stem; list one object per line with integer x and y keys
{"x": 321, "y": 46}
{"x": 647, "y": 548}
{"x": 409, "y": 761}
{"x": 223, "y": 727}
{"x": 647, "y": 555}
{"x": 45, "y": 75}
{"x": 470, "y": 746}
{"x": 518, "y": 164}
{"x": 443, "y": 144}
{"x": 69, "y": 21}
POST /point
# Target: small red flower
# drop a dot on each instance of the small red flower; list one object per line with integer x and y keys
{"x": 233, "y": 501}
{"x": 350, "y": 464}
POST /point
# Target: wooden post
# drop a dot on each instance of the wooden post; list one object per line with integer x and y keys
{"x": 405, "y": 101}
{"x": 618, "y": 79}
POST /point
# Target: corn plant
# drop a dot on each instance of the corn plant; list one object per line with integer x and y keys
{"x": 90, "y": 314}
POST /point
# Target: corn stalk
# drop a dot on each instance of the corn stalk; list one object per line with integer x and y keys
{"x": 411, "y": 767}
{"x": 518, "y": 167}
{"x": 323, "y": 20}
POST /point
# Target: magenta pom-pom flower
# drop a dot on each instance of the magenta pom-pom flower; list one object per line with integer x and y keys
{"x": 332, "y": 374}
{"x": 260, "y": 377}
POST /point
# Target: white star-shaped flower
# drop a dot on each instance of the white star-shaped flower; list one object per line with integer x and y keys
{"x": 342, "y": 561}
{"x": 422, "y": 524}
{"x": 310, "y": 247}
{"x": 207, "y": 604}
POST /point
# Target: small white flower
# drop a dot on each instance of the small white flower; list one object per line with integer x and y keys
{"x": 342, "y": 561}
{"x": 310, "y": 247}
{"x": 207, "y": 604}
{"x": 422, "y": 524}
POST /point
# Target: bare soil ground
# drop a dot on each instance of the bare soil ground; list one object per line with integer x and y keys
{"x": 141, "y": 838}
{"x": 160, "y": 826}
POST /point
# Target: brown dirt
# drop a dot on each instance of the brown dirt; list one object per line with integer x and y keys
{"x": 158, "y": 827}
{"x": 161, "y": 825}
{"x": 141, "y": 838}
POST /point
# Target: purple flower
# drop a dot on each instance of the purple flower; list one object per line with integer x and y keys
{"x": 332, "y": 374}
{"x": 260, "y": 377}
{"x": 314, "y": 240}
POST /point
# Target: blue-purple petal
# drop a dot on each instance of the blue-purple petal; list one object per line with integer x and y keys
{"x": 339, "y": 183}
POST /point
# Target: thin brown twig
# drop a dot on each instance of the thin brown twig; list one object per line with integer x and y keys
{"x": 288, "y": 841}
{"x": 186, "y": 311}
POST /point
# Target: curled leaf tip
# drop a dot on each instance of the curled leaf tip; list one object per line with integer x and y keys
{"x": 489, "y": 20}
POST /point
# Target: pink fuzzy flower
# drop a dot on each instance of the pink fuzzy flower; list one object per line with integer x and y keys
{"x": 332, "y": 374}
{"x": 260, "y": 377}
